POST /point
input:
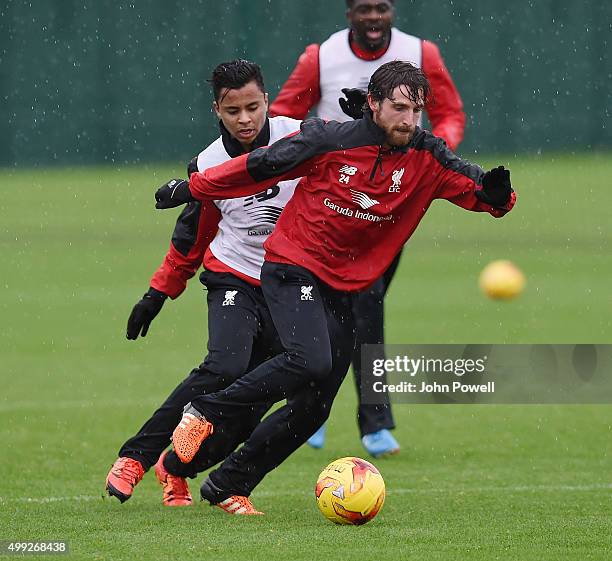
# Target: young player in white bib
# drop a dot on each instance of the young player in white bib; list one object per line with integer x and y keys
{"x": 226, "y": 237}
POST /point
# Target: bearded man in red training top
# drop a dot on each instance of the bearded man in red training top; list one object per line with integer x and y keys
{"x": 343, "y": 63}
{"x": 365, "y": 187}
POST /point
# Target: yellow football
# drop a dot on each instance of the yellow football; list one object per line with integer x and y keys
{"x": 350, "y": 491}
{"x": 502, "y": 280}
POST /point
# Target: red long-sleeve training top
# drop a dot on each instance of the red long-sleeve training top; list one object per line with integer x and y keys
{"x": 356, "y": 205}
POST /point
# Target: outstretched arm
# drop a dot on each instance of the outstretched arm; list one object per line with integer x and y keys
{"x": 289, "y": 158}
{"x": 488, "y": 192}
{"x": 467, "y": 185}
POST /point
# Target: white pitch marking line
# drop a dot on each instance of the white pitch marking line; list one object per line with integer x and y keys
{"x": 73, "y": 404}
{"x": 45, "y": 500}
{"x": 508, "y": 489}
{"x": 396, "y": 491}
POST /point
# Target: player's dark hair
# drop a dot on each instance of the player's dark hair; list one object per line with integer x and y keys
{"x": 411, "y": 80}
{"x": 349, "y": 3}
{"x": 234, "y": 75}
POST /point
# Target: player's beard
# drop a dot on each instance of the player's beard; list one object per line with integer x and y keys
{"x": 397, "y": 137}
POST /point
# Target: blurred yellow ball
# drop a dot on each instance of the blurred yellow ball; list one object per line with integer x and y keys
{"x": 502, "y": 280}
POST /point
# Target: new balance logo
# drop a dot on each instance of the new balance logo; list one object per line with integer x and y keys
{"x": 362, "y": 199}
{"x": 349, "y": 170}
{"x": 306, "y": 293}
{"x": 396, "y": 177}
{"x": 269, "y": 193}
{"x": 229, "y": 298}
{"x": 346, "y": 172}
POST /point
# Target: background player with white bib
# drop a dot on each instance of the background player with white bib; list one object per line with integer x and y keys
{"x": 347, "y": 59}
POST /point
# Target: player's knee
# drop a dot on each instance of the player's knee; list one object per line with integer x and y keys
{"x": 233, "y": 370}
{"x": 314, "y": 365}
{"x": 227, "y": 368}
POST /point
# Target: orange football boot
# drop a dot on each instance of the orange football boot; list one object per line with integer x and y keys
{"x": 176, "y": 489}
{"x": 125, "y": 474}
{"x": 238, "y": 505}
{"x": 190, "y": 433}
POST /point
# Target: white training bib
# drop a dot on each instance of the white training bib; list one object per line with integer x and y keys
{"x": 340, "y": 68}
{"x": 247, "y": 222}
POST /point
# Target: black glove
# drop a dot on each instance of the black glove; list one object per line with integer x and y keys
{"x": 144, "y": 312}
{"x": 354, "y": 102}
{"x": 174, "y": 193}
{"x": 192, "y": 167}
{"x": 496, "y": 187}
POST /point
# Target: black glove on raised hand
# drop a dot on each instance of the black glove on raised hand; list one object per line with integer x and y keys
{"x": 172, "y": 194}
{"x": 144, "y": 313}
{"x": 353, "y": 104}
{"x": 496, "y": 187}
{"x": 192, "y": 166}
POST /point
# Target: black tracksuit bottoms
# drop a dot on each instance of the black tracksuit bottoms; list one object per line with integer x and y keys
{"x": 241, "y": 336}
{"x": 316, "y": 329}
{"x": 369, "y": 313}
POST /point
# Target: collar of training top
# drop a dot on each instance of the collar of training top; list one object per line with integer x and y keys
{"x": 234, "y": 148}
{"x": 362, "y": 53}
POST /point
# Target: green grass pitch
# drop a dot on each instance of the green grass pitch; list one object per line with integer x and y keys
{"x": 472, "y": 482}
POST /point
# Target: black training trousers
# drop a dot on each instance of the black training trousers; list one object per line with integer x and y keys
{"x": 315, "y": 326}
{"x": 241, "y": 336}
{"x": 369, "y": 310}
